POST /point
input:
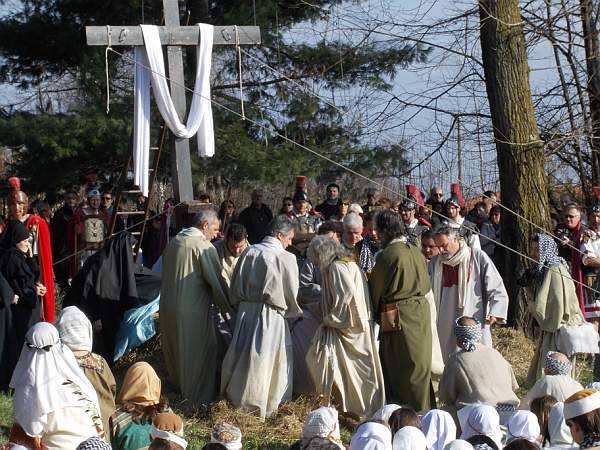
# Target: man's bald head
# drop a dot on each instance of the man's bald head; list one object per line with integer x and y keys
{"x": 466, "y": 321}
{"x": 558, "y": 356}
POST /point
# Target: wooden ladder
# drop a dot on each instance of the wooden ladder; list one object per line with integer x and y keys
{"x": 122, "y": 191}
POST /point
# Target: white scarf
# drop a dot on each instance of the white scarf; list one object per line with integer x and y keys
{"x": 372, "y": 436}
{"x": 462, "y": 259}
{"x": 439, "y": 429}
{"x": 150, "y": 66}
{"x": 38, "y": 380}
{"x": 477, "y": 419}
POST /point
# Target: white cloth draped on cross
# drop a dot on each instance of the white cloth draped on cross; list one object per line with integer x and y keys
{"x": 149, "y": 68}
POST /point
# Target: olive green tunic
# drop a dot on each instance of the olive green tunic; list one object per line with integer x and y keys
{"x": 400, "y": 276}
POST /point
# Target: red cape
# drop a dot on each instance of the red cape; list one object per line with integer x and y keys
{"x": 45, "y": 260}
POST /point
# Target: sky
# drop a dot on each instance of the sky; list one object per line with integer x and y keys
{"x": 421, "y": 130}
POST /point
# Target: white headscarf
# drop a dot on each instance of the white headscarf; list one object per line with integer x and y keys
{"x": 458, "y": 444}
{"x": 478, "y": 419}
{"x": 38, "y": 380}
{"x": 75, "y": 329}
{"x": 559, "y": 432}
{"x": 409, "y": 438}
{"x": 385, "y": 412}
{"x": 439, "y": 429}
{"x": 321, "y": 425}
{"x": 523, "y": 425}
{"x": 372, "y": 436}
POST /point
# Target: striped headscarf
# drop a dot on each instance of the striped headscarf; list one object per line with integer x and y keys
{"x": 548, "y": 253}
{"x": 467, "y": 336}
{"x": 556, "y": 367}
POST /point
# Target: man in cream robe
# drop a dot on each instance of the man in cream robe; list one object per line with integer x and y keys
{"x": 257, "y": 369}
{"x": 191, "y": 282}
{"x": 476, "y": 373}
{"x": 342, "y": 358}
{"x": 464, "y": 282}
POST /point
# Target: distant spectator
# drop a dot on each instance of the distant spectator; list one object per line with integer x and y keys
{"x": 329, "y": 207}
{"x": 490, "y": 233}
{"x": 372, "y": 196}
{"x": 107, "y": 201}
{"x": 343, "y": 209}
{"x": 59, "y": 226}
{"x": 227, "y": 214}
{"x": 256, "y": 218}
{"x": 287, "y": 207}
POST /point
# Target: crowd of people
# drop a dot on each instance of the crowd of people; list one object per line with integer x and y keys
{"x": 383, "y": 311}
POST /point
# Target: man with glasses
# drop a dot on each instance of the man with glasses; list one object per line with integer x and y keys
{"x": 106, "y": 204}
{"x": 571, "y": 240}
{"x": 435, "y": 202}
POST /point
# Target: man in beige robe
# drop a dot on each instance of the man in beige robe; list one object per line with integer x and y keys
{"x": 476, "y": 373}
{"x": 230, "y": 248}
{"x": 343, "y": 358}
{"x": 191, "y": 282}
{"x": 258, "y": 366}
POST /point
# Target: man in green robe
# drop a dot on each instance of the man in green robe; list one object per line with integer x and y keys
{"x": 191, "y": 282}
{"x": 400, "y": 278}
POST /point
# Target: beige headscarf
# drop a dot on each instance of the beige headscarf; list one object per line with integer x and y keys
{"x": 141, "y": 385}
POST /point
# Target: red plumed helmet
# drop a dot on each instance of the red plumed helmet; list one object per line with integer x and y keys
{"x": 456, "y": 196}
{"x": 413, "y": 191}
{"x": 15, "y": 183}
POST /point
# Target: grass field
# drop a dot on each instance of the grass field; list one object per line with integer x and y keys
{"x": 281, "y": 430}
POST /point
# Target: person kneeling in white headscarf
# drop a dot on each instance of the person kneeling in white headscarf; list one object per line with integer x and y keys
{"x": 53, "y": 398}
{"x": 76, "y": 332}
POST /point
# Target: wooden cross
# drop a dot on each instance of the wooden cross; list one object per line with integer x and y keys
{"x": 174, "y": 36}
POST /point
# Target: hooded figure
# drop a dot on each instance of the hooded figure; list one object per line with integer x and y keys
{"x": 41, "y": 247}
{"x": 21, "y": 271}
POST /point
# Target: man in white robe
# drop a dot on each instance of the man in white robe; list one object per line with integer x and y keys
{"x": 258, "y": 366}
{"x": 465, "y": 281}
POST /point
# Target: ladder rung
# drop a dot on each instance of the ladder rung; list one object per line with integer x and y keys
{"x": 154, "y": 148}
{"x": 130, "y": 213}
{"x": 131, "y": 192}
{"x": 136, "y": 233}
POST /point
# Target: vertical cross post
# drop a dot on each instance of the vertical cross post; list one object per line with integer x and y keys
{"x": 181, "y": 165}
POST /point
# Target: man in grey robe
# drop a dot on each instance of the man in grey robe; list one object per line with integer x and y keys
{"x": 303, "y": 329}
{"x": 465, "y": 281}
{"x": 258, "y": 366}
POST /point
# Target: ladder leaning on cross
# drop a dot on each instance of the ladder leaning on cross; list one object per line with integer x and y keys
{"x": 174, "y": 36}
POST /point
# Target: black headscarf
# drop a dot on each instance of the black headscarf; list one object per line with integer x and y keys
{"x": 15, "y": 232}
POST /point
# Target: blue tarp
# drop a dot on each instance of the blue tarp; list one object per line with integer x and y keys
{"x": 136, "y": 328}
